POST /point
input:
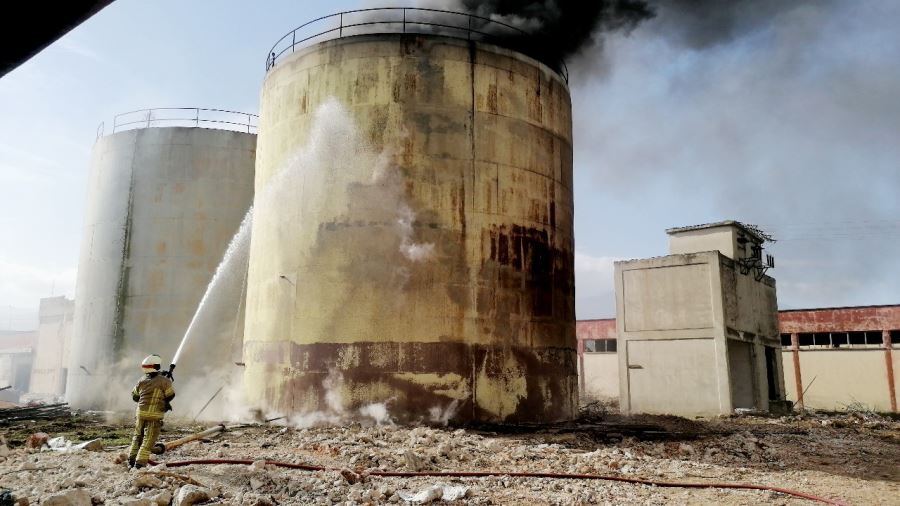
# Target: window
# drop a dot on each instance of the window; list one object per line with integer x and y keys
{"x": 867, "y": 339}
{"x": 600, "y": 345}
{"x": 821, "y": 339}
{"x": 786, "y": 340}
{"x": 839, "y": 339}
{"x": 874, "y": 337}
{"x": 857, "y": 337}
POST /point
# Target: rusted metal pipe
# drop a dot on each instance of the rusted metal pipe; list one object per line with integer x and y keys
{"x": 798, "y": 380}
{"x": 481, "y": 474}
{"x": 160, "y": 448}
{"x": 889, "y": 365}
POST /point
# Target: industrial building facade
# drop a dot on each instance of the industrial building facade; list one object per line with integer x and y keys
{"x": 833, "y": 358}
{"x": 697, "y": 329}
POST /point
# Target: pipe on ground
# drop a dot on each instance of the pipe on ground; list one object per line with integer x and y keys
{"x": 480, "y": 474}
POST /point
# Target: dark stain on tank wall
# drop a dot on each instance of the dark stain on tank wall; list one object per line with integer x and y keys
{"x": 551, "y": 398}
{"x": 529, "y": 286}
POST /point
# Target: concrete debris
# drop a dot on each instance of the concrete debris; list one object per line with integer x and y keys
{"x": 138, "y": 502}
{"x": 76, "y": 497}
{"x": 413, "y": 462}
{"x": 94, "y": 445}
{"x": 435, "y": 492}
{"x": 847, "y": 460}
{"x": 161, "y": 497}
{"x": 61, "y": 444}
{"x": 191, "y": 494}
{"x": 146, "y": 480}
{"x": 37, "y": 440}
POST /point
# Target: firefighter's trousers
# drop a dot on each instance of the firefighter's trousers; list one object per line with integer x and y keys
{"x": 146, "y": 432}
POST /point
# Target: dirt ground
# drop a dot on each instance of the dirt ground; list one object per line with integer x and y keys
{"x": 854, "y": 458}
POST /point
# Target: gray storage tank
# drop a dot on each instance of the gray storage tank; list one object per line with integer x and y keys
{"x": 163, "y": 203}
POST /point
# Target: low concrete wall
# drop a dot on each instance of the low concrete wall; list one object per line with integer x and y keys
{"x": 835, "y": 378}
{"x": 841, "y": 377}
{"x": 601, "y": 376}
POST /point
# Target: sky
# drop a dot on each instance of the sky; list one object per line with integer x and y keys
{"x": 785, "y": 117}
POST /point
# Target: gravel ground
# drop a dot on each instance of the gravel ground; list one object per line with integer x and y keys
{"x": 853, "y": 457}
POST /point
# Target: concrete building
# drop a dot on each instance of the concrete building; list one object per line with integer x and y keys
{"x": 163, "y": 204}
{"x": 480, "y": 155}
{"x": 697, "y": 329}
{"x": 598, "y": 360}
{"x": 51, "y": 352}
{"x": 835, "y": 358}
{"x": 16, "y": 356}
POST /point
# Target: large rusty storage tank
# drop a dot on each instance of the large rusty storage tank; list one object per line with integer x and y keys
{"x": 162, "y": 204}
{"x": 480, "y": 136}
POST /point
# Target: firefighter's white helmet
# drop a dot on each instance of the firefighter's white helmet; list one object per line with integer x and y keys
{"x": 151, "y": 363}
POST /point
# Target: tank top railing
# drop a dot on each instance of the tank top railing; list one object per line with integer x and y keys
{"x": 414, "y": 20}
{"x": 182, "y": 116}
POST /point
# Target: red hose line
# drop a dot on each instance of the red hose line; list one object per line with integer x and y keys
{"x": 480, "y": 474}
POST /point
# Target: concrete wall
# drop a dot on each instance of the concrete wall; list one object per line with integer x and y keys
{"x": 162, "y": 205}
{"x": 722, "y": 239}
{"x": 751, "y": 306}
{"x": 674, "y": 377}
{"x": 51, "y": 354}
{"x": 601, "y": 376}
{"x": 834, "y": 379}
{"x": 692, "y": 335}
{"x": 479, "y": 140}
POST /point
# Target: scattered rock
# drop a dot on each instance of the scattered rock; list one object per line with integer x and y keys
{"x": 138, "y": 502}
{"x": 190, "y": 494}
{"x": 413, "y": 462}
{"x": 75, "y": 497}
{"x": 37, "y": 440}
{"x": 435, "y": 492}
{"x": 350, "y": 476}
{"x": 145, "y": 480}
{"x": 94, "y": 445}
{"x": 160, "y": 498}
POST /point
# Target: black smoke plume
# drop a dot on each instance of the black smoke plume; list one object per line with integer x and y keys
{"x": 561, "y": 28}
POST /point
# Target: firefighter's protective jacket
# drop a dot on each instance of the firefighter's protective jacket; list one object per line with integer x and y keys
{"x": 153, "y": 393}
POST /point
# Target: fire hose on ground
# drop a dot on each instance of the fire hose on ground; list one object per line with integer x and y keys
{"x": 472, "y": 474}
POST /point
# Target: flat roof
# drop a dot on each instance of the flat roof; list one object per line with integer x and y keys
{"x": 746, "y": 227}
{"x": 836, "y": 308}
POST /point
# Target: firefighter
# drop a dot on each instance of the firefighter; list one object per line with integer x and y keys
{"x": 152, "y": 393}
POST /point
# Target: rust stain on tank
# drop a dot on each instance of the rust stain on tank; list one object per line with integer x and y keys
{"x": 492, "y": 98}
{"x": 399, "y": 366}
{"x": 196, "y": 246}
{"x": 161, "y": 247}
{"x": 488, "y": 322}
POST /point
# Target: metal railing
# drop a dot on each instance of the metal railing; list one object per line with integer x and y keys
{"x": 182, "y": 116}
{"x": 415, "y": 20}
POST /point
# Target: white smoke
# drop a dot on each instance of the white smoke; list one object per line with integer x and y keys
{"x": 443, "y": 415}
{"x": 416, "y": 252}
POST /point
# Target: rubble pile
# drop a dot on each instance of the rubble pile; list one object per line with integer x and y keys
{"x": 830, "y": 456}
